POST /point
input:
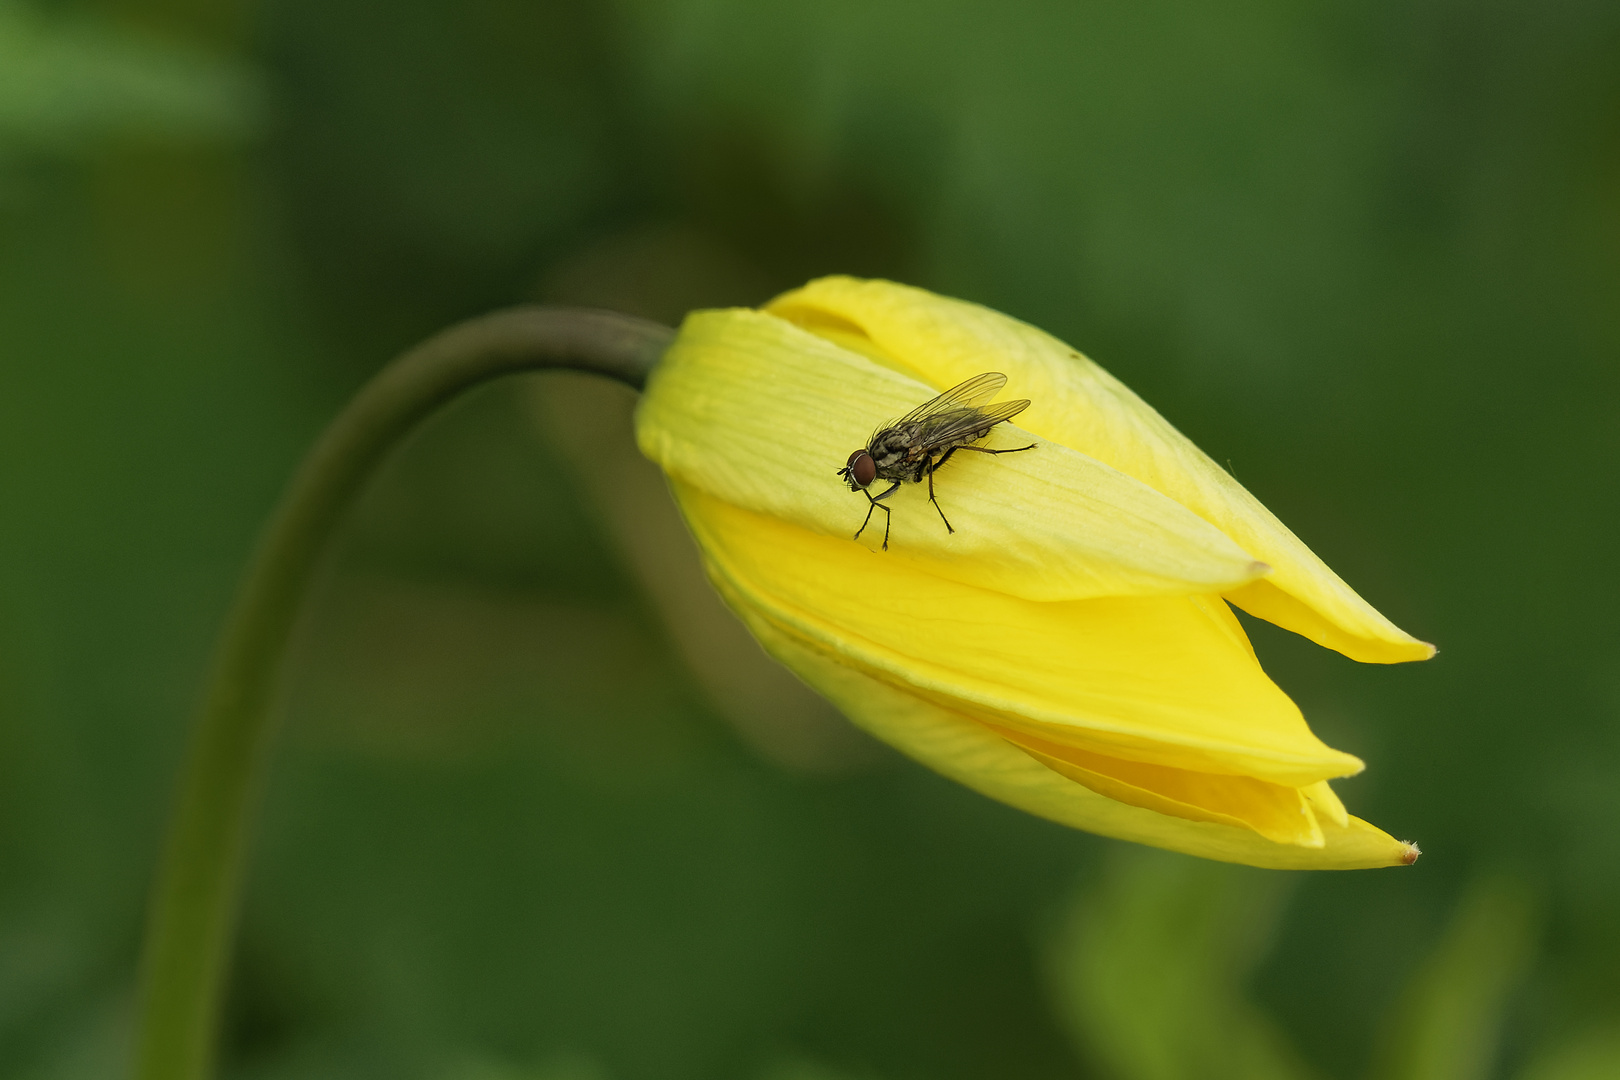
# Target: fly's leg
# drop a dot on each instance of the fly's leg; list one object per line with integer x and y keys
{"x": 888, "y": 519}
{"x": 946, "y": 457}
{"x": 868, "y": 520}
{"x": 982, "y": 450}
{"x": 931, "y": 470}
{"x": 877, "y": 504}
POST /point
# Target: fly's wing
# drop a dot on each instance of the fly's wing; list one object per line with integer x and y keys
{"x": 944, "y": 429}
{"x": 968, "y": 395}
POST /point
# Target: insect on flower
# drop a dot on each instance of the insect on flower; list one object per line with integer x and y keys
{"x": 918, "y": 443}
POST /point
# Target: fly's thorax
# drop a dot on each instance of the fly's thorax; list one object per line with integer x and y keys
{"x": 889, "y": 448}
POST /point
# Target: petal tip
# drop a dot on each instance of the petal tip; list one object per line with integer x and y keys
{"x": 1409, "y": 853}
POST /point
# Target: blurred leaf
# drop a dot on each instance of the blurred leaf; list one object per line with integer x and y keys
{"x": 1595, "y": 1056}
{"x": 66, "y": 85}
{"x": 1149, "y": 966}
{"x": 561, "y": 1066}
{"x": 1447, "y": 1024}
{"x": 87, "y": 1044}
{"x": 805, "y": 1069}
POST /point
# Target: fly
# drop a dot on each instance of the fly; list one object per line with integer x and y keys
{"x": 918, "y": 443}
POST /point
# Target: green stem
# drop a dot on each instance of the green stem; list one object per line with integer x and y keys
{"x": 194, "y": 900}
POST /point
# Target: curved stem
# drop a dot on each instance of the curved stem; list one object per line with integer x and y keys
{"x": 194, "y": 900}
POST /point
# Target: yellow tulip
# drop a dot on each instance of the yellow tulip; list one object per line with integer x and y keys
{"x": 1068, "y": 649}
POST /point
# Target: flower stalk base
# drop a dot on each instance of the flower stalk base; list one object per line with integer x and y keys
{"x": 193, "y": 908}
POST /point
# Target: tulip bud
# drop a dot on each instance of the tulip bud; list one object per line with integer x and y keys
{"x": 1068, "y": 648}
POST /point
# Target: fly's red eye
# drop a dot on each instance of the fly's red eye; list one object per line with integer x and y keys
{"x": 863, "y": 468}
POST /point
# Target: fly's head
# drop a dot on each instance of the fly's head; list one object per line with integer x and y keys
{"x": 859, "y": 471}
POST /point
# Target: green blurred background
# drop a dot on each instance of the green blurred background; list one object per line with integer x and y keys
{"x": 538, "y": 813}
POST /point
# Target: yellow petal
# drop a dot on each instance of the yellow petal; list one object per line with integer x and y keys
{"x": 760, "y": 413}
{"x": 966, "y": 751}
{"x": 1165, "y": 680}
{"x": 1078, "y": 404}
{"x": 1278, "y": 813}
{"x": 1325, "y": 801}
